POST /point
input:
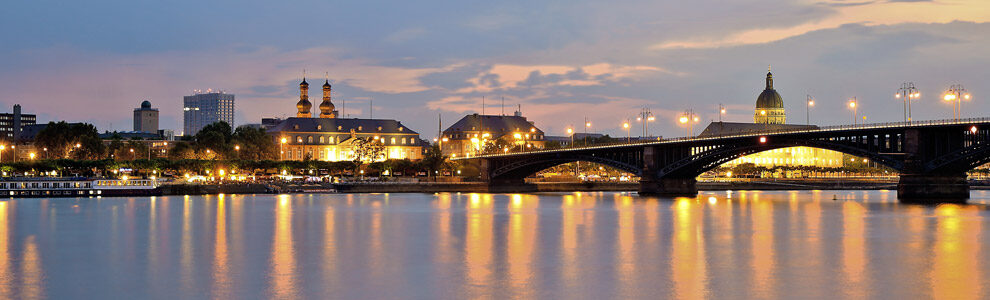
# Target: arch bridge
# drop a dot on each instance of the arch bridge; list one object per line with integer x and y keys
{"x": 932, "y": 157}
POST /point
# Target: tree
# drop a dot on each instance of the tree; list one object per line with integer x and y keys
{"x": 62, "y": 139}
{"x": 254, "y": 143}
{"x": 215, "y": 137}
{"x": 433, "y": 160}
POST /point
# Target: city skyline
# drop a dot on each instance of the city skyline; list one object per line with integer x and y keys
{"x": 556, "y": 62}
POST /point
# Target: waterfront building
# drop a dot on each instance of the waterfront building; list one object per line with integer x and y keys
{"x": 329, "y": 138}
{"x": 146, "y": 118}
{"x": 13, "y": 123}
{"x": 204, "y": 109}
{"x": 770, "y": 116}
{"x": 469, "y": 135}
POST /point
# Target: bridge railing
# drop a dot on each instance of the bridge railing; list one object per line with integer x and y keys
{"x": 751, "y": 133}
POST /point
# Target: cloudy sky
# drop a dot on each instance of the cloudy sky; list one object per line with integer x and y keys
{"x": 94, "y": 61}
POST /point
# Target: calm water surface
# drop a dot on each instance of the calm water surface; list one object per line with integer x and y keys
{"x": 459, "y": 246}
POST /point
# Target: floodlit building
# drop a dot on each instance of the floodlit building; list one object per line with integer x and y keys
{"x": 329, "y": 138}
{"x": 770, "y": 116}
{"x": 204, "y": 109}
{"x": 469, "y": 135}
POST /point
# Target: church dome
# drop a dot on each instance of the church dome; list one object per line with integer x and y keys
{"x": 769, "y": 98}
{"x": 146, "y": 104}
{"x": 304, "y": 106}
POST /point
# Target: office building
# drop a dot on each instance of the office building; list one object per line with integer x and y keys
{"x": 11, "y": 124}
{"x": 204, "y": 109}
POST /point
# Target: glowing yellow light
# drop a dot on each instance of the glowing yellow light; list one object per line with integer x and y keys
{"x": 31, "y": 155}
{"x": 972, "y": 129}
{"x": 587, "y": 124}
{"x": 949, "y": 97}
{"x": 763, "y": 112}
{"x": 966, "y": 97}
{"x": 221, "y": 172}
{"x": 569, "y": 131}
{"x": 625, "y": 125}
{"x": 517, "y": 136}
{"x": 898, "y": 96}
{"x": 444, "y": 139}
{"x": 684, "y": 119}
{"x": 124, "y": 177}
{"x": 852, "y": 104}
{"x": 651, "y": 118}
{"x": 284, "y": 141}
{"x": 532, "y": 130}
{"x": 763, "y": 140}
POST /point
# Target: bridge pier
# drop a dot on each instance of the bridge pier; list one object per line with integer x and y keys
{"x": 933, "y": 188}
{"x": 674, "y": 187}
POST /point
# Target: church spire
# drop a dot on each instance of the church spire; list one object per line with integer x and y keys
{"x": 769, "y": 78}
{"x": 327, "y": 107}
{"x": 304, "y": 107}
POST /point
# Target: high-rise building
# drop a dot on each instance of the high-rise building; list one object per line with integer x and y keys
{"x": 146, "y": 118}
{"x": 11, "y": 124}
{"x": 204, "y": 109}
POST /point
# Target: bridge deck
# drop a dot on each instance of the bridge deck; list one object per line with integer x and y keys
{"x": 769, "y": 133}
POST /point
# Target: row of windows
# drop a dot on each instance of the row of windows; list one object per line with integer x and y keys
{"x": 330, "y": 140}
{"x": 341, "y": 128}
{"x": 44, "y": 185}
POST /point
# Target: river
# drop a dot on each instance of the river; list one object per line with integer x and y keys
{"x": 780, "y": 244}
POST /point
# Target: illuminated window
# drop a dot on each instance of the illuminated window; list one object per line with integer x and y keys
{"x": 309, "y": 139}
{"x": 392, "y": 141}
{"x": 321, "y": 140}
{"x": 299, "y": 139}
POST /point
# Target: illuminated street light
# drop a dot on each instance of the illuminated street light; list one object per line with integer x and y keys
{"x": 646, "y": 116}
{"x": 853, "y": 104}
{"x": 907, "y": 93}
{"x": 956, "y": 93}
{"x": 721, "y": 112}
{"x": 689, "y": 118}
{"x": 625, "y": 125}
{"x": 810, "y": 103}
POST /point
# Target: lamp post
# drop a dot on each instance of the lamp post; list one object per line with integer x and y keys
{"x": 237, "y": 148}
{"x": 570, "y": 132}
{"x": 628, "y": 134}
{"x": 132, "y": 153}
{"x": 689, "y": 118}
{"x": 853, "y": 104}
{"x": 810, "y": 103}
{"x": 721, "y": 112}
{"x": 587, "y": 126}
{"x": 956, "y": 93}
{"x": 281, "y": 150}
{"x": 907, "y": 93}
{"x": 645, "y": 116}
{"x": 2, "y": 147}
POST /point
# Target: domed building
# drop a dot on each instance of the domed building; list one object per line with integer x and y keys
{"x": 769, "y": 105}
{"x": 146, "y": 118}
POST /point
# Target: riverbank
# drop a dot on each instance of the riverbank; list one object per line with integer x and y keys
{"x": 481, "y": 187}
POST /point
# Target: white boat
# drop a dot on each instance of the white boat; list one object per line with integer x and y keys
{"x": 18, "y": 187}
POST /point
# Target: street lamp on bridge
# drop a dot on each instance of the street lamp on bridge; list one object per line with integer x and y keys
{"x": 908, "y": 93}
{"x": 956, "y": 93}
{"x": 689, "y": 118}
{"x": 645, "y": 116}
{"x": 854, "y": 105}
{"x": 810, "y": 103}
{"x": 625, "y": 125}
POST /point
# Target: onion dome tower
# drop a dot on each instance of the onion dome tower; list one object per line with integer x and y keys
{"x": 304, "y": 106}
{"x": 769, "y": 105}
{"x": 326, "y": 107}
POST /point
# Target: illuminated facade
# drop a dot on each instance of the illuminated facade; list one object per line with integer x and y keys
{"x": 202, "y": 109}
{"x": 770, "y": 116}
{"x": 328, "y": 138}
{"x": 470, "y": 134}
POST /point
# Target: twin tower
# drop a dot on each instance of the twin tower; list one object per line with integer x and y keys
{"x": 305, "y": 107}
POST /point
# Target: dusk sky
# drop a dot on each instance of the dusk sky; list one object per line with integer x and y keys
{"x": 95, "y": 61}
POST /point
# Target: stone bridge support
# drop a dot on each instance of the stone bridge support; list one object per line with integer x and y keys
{"x": 917, "y": 185}
{"x": 652, "y": 184}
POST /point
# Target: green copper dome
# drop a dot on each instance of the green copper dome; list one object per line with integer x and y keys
{"x": 769, "y": 98}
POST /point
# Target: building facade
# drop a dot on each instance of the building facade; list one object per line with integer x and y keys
{"x": 146, "y": 118}
{"x": 328, "y": 138}
{"x": 472, "y": 134}
{"x": 770, "y": 116}
{"x": 13, "y": 123}
{"x": 204, "y": 109}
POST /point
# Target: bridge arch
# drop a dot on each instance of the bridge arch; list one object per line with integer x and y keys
{"x": 694, "y": 165}
{"x": 524, "y": 168}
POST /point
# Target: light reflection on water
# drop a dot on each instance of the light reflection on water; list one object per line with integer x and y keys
{"x": 456, "y": 246}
